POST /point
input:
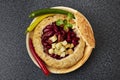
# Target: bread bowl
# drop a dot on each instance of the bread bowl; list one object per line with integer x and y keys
{"x": 81, "y": 51}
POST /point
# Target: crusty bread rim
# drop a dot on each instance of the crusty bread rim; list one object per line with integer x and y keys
{"x": 66, "y": 62}
{"x": 88, "y": 49}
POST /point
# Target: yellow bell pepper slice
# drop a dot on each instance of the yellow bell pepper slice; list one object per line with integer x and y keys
{"x": 37, "y": 20}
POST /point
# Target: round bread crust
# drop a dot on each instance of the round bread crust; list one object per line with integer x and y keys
{"x": 52, "y": 62}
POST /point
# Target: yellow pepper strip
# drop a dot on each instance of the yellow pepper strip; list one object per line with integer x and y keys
{"x": 36, "y": 21}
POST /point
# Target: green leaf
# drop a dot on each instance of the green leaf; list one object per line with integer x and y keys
{"x": 69, "y": 25}
{"x": 65, "y": 22}
{"x": 66, "y": 28}
{"x": 59, "y": 22}
{"x": 69, "y": 16}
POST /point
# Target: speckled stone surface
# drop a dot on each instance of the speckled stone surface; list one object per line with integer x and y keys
{"x": 103, "y": 64}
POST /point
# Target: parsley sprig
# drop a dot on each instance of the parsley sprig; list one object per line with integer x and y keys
{"x": 65, "y": 22}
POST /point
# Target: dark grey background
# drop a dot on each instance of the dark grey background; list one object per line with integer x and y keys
{"x": 103, "y": 64}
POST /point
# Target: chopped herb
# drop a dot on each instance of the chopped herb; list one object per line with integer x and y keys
{"x": 65, "y": 21}
{"x": 66, "y": 28}
{"x": 69, "y": 16}
{"x": 59, "y": 22}
{"x": 69, "y": 25}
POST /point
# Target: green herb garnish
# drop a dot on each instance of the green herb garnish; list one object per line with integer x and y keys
{"x": 59, "y": 22}
{"x": 69, "y": 16}
{"x": 66, "y": 28}
{"x": 65, "y": 22}
{"x": 69, "y": 25}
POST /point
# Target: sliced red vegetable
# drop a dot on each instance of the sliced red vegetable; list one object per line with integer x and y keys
{"x": 37, "y": 58}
